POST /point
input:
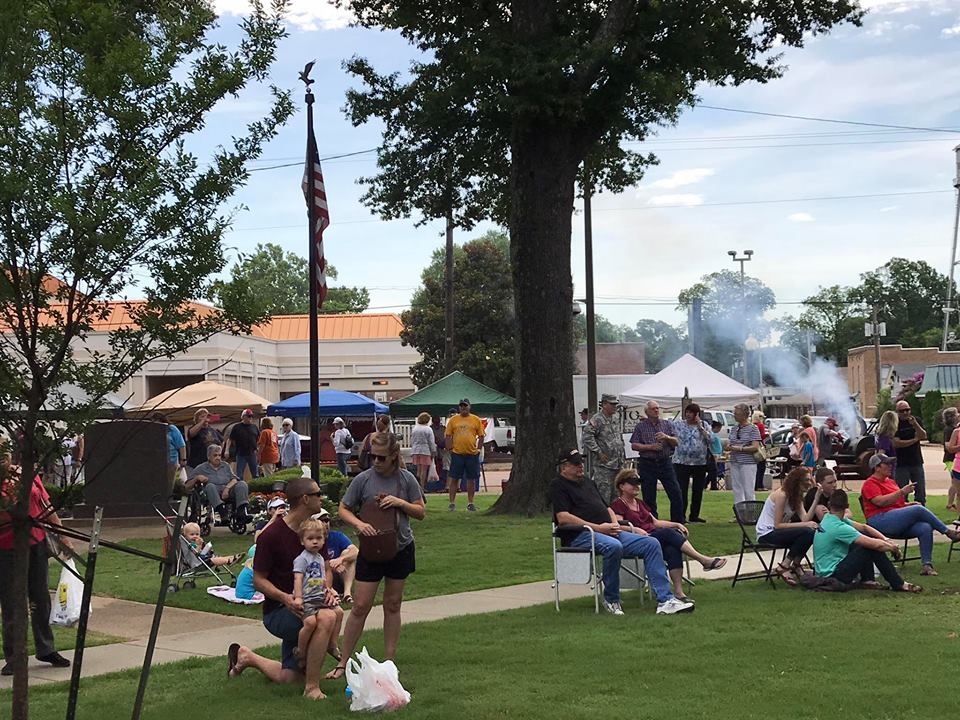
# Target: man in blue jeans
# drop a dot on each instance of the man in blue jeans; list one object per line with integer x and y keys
{"x": 655, "y": 440}
{"x": 577, "y": 502}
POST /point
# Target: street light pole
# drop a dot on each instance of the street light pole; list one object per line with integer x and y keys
{"x": 953, "y": 254}
{"x": 747, "y": 257}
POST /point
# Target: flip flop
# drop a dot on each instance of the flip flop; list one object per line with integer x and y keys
{"x": 233, "y": 656}
{"x": 716, "y": 564}
{"x": 348, "y": 600}
{"x": 338, "y": 672}
{"x": 335, "y": 654}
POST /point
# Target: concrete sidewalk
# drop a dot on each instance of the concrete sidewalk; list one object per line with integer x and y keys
{"x": 190, "y": 633}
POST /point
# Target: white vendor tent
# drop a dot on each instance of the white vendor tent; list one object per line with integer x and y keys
{"x": 707, "y": 387}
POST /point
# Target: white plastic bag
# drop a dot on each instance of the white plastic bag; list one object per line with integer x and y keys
{"x": 432, "y": 475}
{"x": 375, "y": 686}
{"x": 66, "y": 602}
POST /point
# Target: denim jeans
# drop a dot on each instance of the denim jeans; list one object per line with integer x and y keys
{"x": 671, "y": 540}
{"x": 796, "y": 540}
{"x": 685, "y": 474}
{"x": 650, "y": 471}
{"x": 913, "y": 473}
{"x": 247, "y": 460}
{"x": 628, "y": 545}
{"x": 859, "y": 562}
{"x": 913, "y": 521}
{"x": 342, "y": 462}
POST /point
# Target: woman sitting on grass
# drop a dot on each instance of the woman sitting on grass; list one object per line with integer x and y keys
{"x": 774, "y": 527}
{"x": 672, "y": 536}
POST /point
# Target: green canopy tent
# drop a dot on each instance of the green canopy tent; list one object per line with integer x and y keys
{"x": 445, "y": 393}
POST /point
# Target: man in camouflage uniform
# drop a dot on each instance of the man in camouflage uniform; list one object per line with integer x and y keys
{"x": 604, "y": 444}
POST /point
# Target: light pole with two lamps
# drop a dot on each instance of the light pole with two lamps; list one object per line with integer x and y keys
{"x": 747, "y": 257}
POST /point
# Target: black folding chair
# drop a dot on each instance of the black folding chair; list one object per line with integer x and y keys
{"x": 747, "y": 513}
{"x": 956, "y": 526}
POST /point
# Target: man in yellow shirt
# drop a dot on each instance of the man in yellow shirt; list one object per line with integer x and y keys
{"x": 464, "y": 435}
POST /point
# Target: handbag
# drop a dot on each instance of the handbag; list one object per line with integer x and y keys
{"x": 383, "y": 546}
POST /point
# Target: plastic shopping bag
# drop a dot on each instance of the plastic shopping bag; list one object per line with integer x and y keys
{"x": 432, "y": 475}
{"x": 66, "y": 601}
{"x": 375, "y": 686}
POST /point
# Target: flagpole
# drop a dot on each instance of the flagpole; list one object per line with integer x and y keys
{"x": 314, "y": 295}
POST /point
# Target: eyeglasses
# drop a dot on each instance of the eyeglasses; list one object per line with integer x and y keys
{"x": 318, "y": 493}
{"x": 382, "y": 458}
{"x": 903, "y": 410}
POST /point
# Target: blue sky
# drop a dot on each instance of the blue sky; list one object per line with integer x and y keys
{"x": 902, "y": 67}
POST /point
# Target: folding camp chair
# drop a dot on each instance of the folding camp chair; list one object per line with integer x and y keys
{"x": 575, "y": 566}
{"x": 956, "y": 526}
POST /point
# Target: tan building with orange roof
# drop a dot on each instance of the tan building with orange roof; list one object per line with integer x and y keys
{"x": 359, "y": 353}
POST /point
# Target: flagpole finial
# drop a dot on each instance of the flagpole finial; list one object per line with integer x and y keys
{"x": 307, "y": 80}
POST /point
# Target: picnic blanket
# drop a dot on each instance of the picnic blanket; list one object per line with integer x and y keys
{"x": 229, "y": 594}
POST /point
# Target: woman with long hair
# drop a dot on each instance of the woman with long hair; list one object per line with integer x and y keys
{"x": 423, "y": 448}
{"x": 885, "y": 431}
{"x": 951, "y": 455}
{"x": 776, "y": 527}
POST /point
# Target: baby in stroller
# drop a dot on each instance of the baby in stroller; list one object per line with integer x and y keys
{"x": 195, "y": 551}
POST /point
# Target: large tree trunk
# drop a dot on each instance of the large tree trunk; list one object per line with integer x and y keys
{"x": 542, "y": 187}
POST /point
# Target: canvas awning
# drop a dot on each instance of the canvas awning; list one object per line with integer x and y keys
{"x": 708, "y": 388}
{"x": 180, "y": 404}
{"x": 332, "y": 403}
{"x": 445, "y": 393}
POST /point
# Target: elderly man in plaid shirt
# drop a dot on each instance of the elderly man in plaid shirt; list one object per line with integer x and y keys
{"x": 654, "y": 440}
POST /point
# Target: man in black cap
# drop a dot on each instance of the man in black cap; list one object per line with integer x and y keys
{"x": 603, "y": 443}
{"x": 464, "y": 436}
{"x": 577, "y": 502}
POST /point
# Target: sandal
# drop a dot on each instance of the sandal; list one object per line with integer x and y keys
{"x": 785, "y": 574}
{"x": 346, "y": 600}
{"x": 928, "y": 570}
{"x": 910, "y": 588}
{"x": 233, "y": 656}
{"x": 716, "y": 563}
{"x": 338, "y": 672}
{"x": 334, "y": 652}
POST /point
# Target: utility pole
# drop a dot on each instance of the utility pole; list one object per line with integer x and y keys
{"x": 747, "y": 257}
{"x": 875, "y": 330}
{"x": 448, "y": 289}
{"x": 588, "y": 271}
{"x": 953, "y": 254}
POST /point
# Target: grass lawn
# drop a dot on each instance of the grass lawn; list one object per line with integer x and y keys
{"x": 456, "y": 552}
{"x": 747, "y": 652}
{"x": 66, "y": 638}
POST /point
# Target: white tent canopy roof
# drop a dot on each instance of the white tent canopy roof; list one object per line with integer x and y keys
{"x": 707, "y": 387}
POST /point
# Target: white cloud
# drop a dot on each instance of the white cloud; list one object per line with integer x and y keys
{"x": 304, "y": 14}
{"x": 911, "y": 28}
{"x": 889, "y": 208}
{"x": 683, "y": 177}
{"x": 800, "y": 217}
{"x": 951, "y": 31}
{"x": 881, "y": 28}
{"x": 686, "y": 200}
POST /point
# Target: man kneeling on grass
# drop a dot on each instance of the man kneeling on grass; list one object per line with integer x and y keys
{"x": 577, "y": 501}
{"x": 847, "y": 550}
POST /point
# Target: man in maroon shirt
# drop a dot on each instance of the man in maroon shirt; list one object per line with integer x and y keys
{"x": 277, "y": 547}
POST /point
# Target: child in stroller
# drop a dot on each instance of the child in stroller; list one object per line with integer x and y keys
{"x": 194, "y": 553}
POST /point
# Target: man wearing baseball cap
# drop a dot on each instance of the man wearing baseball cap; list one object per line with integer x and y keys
{"x": 577, "y": 503}
{"x": 464, "y": 436}
{"x": 342, "y": 443}
{"x": 243, "y": 438}
{"x": 604, "y": 446}
{"x": 886, "y": 509}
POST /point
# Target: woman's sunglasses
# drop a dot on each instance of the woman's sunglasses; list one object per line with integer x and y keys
{"x": 382, "y": 458}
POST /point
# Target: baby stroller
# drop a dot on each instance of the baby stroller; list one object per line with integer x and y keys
{"x": 190, "y": 563}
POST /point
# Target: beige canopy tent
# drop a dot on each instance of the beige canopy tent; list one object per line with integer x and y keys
{"x": 180, "y": 404}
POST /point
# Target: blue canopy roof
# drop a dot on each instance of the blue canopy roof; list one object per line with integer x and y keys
{"x": 332, "y": 402}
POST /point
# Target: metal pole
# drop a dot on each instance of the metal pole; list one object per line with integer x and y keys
{"x": 448, "y": 291}
{"x": 84, "y": 614}
{"x": 876, "y": 348}
{"x": 158, "y": 611}
{"x": 760, "y": 363}
{"x": 953, "y": 254}
{"x": 314, "y": 310}
{"x": 591, "y": 317}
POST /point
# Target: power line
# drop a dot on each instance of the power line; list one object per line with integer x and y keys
{"x": 323, "y": 159}
{"x": 779, "y": 200}
{"x": 798, "y": 145}
{"x": 828, "y": 120}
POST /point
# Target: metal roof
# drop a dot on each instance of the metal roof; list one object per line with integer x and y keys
{"x": 945, "y": 378}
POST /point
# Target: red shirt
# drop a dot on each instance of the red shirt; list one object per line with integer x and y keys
{"x": 875, "y": 487}
{"x": 39, "y": 501}
{"x": 640, "y": 518}
{"x": 763, "y": 430}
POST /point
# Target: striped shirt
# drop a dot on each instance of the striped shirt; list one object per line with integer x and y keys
{"x": 743, "y": 435}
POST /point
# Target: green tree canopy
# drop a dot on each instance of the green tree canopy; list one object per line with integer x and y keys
{"x": 507, "y": 102}
{"x": 663, "y": 343}
{"x": 835, "y": 315}
{"x": 101, "y": 198}
{"x": 485, "y": 327}
{"x": 279, "y": 281}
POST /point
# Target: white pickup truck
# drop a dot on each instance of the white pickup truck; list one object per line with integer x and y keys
{"x": 504, "y": 437}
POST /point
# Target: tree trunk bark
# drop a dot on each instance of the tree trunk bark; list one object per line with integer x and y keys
{"x": 21, "y": 549}
{"x": 542, "y": 192}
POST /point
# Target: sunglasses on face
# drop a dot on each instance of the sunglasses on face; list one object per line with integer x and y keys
{"x": 318, "y": 493}
{"x": 382, "y": 458}
{"x": 904, "y": 410}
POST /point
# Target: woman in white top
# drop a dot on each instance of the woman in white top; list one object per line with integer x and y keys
{"x": 775, "y": 526}
{"x": 423, "y": 448}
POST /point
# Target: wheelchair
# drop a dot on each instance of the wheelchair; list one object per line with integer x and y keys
{"x": 200, "y": 512}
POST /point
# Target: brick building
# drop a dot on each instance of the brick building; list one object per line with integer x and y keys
{"x": 616, "y": 358}
{"x": 897, "y": 363}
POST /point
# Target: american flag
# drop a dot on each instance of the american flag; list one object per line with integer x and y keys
{"x": 321, "y": 214}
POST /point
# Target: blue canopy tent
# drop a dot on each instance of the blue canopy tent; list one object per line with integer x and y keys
{"x": 332, "y": 402}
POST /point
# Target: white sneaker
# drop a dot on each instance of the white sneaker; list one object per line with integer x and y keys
{"x": 613, "y": 608}
{"x": 673, "y": 606}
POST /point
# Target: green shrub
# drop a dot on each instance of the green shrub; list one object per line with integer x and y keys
{"x": 334, "y": 484}
{"x": 65, "y": 497}
{"x": 884, "y": 402}
{"x": 931, "y": 415}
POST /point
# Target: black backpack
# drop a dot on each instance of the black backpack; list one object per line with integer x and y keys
{"x": 347, "y": 441}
